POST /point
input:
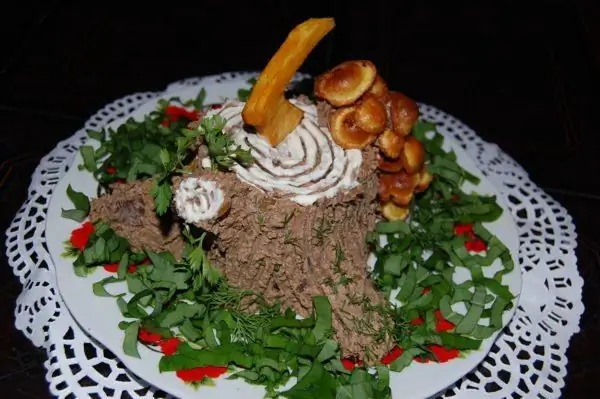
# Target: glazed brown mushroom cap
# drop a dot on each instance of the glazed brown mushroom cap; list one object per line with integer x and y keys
{"x": 345, "y": 83}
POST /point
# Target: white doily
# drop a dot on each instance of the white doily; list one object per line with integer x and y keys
{"x": 528, "y": 359}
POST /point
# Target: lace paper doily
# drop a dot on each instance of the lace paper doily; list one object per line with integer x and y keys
{"x": 528, "y": 359}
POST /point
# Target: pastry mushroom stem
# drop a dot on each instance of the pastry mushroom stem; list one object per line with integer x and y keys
{"x": 198, "y": 200}
{"x": 404, "y": 113}
{"x": 397, "y": 187}
{"x": 391, "y": 144}
{"x": 379, "y": 89}
{"x": 413, "y": 155}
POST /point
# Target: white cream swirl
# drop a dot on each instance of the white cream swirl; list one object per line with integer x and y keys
{"x": 198, "y": 199}
{"x": 306, "y": 166}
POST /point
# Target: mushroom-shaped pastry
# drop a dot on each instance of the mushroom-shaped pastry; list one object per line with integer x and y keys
{"x": 389, "y": 166}
{"x": 198, "y": 200}
{"x": 345, "y": 130}
{"x": 404, "y": 113}
{"x": 397, "y": 187}
{"x": 391, "y": 144}
{"x": 346, "y": 83}
{"x": 413, "y": 155}
{"x": 394, "y": 212}
{"x": 371, "y": 115}
{"x": 379, "y": 89}
{"x": 425, "y": 179}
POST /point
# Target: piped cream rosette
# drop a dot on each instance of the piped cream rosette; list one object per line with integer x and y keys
{"x": 306, "y": 166}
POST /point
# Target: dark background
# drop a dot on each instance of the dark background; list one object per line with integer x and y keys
{"x": 524, "y": 75}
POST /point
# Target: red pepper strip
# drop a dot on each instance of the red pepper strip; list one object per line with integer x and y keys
{"x": 214, "y": 371}
{"x": 149, "y": 337}
{"x": 199, "y": 373}
{"x": 169, "y": 346}
{"x": 476, "y": 245}
{"x": 174, "y": 113}
{"x": 444, "y": 354}
{"x": 112, "y": 268}
{"x": 441, "y": 324}
{"x": 393, "y": 355}
{"x": 462, "y": 229}
{"x": 216, "y": 106}
{"x": 350, "y": 364}
{"x": 110, "y": 170}
{"x": 417, "y": 322}
{"x": 80, "y": 236}
{"x": 191, "y": 375}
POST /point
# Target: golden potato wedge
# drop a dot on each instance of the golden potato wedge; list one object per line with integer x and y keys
{"x": 371, "y": 115}
{"x": 397, "y": 187}
{"x": 379, "y": 89}
{"x": 393, "y": 212}
{"x": 425, "y": 179}
{"x": 413, "y": 155}
{"x": 346, "y": 132}
{"x": 267, "y": 110}
{"x": 344, "y": 84}
{"x": 404, "y": 113}
{"x": 391, "y": 144}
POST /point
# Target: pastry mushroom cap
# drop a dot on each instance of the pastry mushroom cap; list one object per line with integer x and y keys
{"x": 346, "y": 83}
{"x": 394, "y": 212}
{"x": 391, "y": 144}
{"x": 371, "y": 115}
{"x": 345, "y": 130}
{"x": 389, "y": 166}
{"x": 425, "y": 179}
{"x": 413, "y": 155}
{"x": 379, "y": 89}
{"x": 397, "y": 187}
{"x": 404, "y": 113}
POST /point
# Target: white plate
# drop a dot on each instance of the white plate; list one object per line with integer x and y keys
{"x": 99, "y": 316}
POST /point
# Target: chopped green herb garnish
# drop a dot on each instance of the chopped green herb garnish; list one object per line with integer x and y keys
{"x": 81, "y": 203}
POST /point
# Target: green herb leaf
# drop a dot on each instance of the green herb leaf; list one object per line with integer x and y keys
{"x": 131, "y": 340}
{"x": 89, "y": 159}
{"x": 81, "y": 203}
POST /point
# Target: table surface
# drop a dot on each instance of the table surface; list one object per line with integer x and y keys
{"x": 523, "y": 75}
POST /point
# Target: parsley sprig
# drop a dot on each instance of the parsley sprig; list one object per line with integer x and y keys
{"x": 159, "y": 147}
{"x": 222, "y": 149}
